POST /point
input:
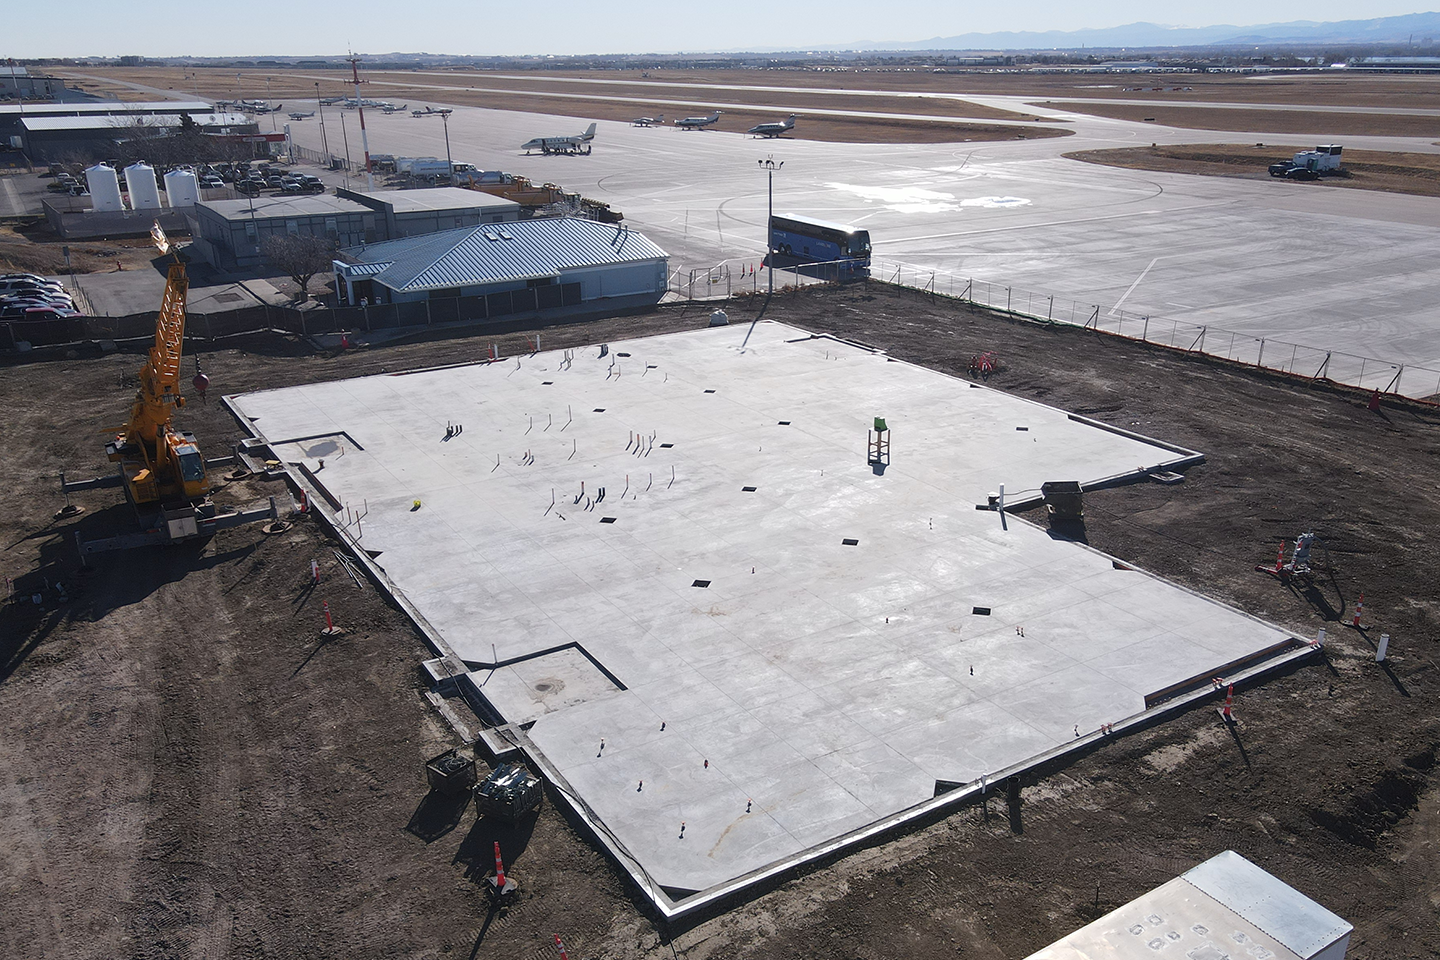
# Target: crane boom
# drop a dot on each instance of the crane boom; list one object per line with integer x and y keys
{"x": 158, "y": 462}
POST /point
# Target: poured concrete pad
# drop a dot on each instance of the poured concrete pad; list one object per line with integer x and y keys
{"x": 684, "y": 618}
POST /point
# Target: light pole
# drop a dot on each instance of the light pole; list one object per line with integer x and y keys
{"x": 324, "y": 144}
{"x": 770, "y": 166}
{"x": 449, "y": 165}
{"x": 270, "y": 105}
{"x": 346, "y": 134}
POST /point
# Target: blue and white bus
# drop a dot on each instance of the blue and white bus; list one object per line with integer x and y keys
{"x": 796, "y": 241}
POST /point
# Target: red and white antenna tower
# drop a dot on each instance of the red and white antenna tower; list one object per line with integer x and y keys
{"x": 354, "y": 62}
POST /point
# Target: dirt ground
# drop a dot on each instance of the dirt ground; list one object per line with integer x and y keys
{"x": 30, "y": 246}
{"x": 1412, "y": 173}
{"x": 188, "y": 771}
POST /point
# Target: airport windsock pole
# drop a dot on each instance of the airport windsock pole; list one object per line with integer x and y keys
{"x": 364, "y": 140}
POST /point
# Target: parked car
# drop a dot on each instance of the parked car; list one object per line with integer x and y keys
{"x": 38, "y": 300}
{"x": 247, "y": 188}
{"x": 35, "y": 311}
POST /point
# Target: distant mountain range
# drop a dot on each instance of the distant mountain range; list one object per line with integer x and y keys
{"x": 1419, "y": 26}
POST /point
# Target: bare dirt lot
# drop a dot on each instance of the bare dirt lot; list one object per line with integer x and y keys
{"x": 188, "y": 771}
{"x": 1413, "y": 173}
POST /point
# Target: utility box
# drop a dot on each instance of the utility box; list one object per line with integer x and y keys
{"x": 450, "y": 773}
{"x": 1064, "y": 501}
{"x": 509, "y": 793}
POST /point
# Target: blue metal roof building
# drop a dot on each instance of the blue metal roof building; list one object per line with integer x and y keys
{"x": 567, "y": 262}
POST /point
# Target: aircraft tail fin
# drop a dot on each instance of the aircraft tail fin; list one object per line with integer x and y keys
{"x": 589, "y": 133}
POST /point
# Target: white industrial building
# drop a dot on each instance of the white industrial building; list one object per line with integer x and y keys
{"x": 230, "y": 232}
{"x": 532, "y": 264}
{"x": 1225, "y": 907}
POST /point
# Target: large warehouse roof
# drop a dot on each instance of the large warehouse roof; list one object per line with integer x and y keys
{"x": 498, "y": 252}
{"x": 264, "y": 208}
{"x": 440, "y": 199}
{"x": 103, "y": 107}
{"x": 120, "y": 122}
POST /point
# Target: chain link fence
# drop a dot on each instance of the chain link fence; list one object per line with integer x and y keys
{"x": 730, "y": 278}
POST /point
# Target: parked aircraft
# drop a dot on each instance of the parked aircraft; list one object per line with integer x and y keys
{"x": 430, "y": 111}
{"x": 391, "y": 108}
{"x": 774, "y": 129}
{"x": 330, "y": 101}
{"x": 297, "y": 115}
{"x": 648, "y": 121}
{"x": 698, "y": 123}
{"x": 580, "y": 143}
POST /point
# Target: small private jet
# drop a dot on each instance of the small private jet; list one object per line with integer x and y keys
{"x": 698, "y": 123}
{"x": 297, "y": 115}
{"x": 648, "y": 121}
{"x": 775, "y": 129}
{"x": 578, "y": 144}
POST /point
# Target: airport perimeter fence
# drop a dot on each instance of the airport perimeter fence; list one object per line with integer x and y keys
{"x": 730, "y": 278}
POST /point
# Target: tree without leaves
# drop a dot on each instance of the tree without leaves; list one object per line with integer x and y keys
{"x": 299, "y": 257}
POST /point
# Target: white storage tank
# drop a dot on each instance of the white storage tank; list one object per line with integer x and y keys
{"x": 144, "y": 190}
{"x": 181, "y": 188}
{"x": 104, "y": 186}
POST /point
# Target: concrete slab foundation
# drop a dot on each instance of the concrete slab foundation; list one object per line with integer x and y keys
{"x": 734, "y": 640}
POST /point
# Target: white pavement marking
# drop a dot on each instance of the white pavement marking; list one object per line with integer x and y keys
{"x": 1126, "y": 295}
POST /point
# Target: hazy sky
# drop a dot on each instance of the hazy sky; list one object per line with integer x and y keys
{"x": 296, "y": 27}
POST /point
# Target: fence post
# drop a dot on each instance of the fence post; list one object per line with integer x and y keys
{"x": 1007, "y": 299}
{"x": 1360, "y": 381}
{"x": 1260, "y": 357}
{"x": 1145, "y": 331}
{"x": 1050, "y": 310}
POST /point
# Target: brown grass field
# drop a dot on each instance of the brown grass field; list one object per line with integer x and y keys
{"x": 1412, "y": 173}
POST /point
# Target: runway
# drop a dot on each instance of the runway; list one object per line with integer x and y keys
{"x": 1339, "y": 270}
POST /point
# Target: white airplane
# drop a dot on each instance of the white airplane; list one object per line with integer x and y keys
{"x": 391, "y": 108}
{"x": 262, "y": 107}
{"x": 698, "y": 123}
{"x": 297, "y": 115}
{"x": 330, "y": 101}
{"x": 430, "y": 111}
{"x": 775, "y": 129}
{"x": 578, "y": 144}
{"x": 648, "y": 121}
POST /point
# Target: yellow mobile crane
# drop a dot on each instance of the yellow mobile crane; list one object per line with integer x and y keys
{"x": 160, "y": 464}
{"x": 161, "y": 468}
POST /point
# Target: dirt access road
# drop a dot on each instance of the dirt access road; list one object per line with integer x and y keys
{"x": 187, "y": 771}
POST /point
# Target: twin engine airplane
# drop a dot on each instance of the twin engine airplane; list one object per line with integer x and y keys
{"x": 578, "y": 144}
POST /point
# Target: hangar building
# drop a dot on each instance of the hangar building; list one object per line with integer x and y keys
{"x": 528, "y": 264}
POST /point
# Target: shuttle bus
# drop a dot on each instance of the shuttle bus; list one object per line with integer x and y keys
{"x": 796, "y": 241}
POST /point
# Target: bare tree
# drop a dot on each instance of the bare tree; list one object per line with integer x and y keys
{"x": 299, "y": 257}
